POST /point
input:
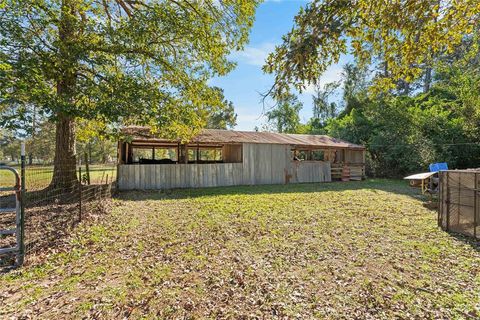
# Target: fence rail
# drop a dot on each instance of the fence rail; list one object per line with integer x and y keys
{"x": 51, "y": 211}
{"x": 459, "y": 202}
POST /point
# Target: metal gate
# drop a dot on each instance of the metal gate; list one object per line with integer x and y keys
{"x": 12, "y": 252}
{"x": 459, "y": 203}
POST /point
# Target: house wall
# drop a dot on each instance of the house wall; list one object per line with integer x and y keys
{"x": 262, "y": 164}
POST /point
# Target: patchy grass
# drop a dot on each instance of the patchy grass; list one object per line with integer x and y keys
{"x": 365, "y": 250}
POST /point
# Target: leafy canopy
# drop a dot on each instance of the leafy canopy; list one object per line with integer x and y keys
{"x": 403, "y": 35}
{"x": 285, "y": 116}
{"x": 118, "y": 61}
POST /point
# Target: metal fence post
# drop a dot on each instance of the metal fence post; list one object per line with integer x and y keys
{"x": 87, "y": 168}
{"x": 440, "y": 199}
{"x": 21, "y": 245}
{"x": 448, "y": 201}
{"x": 80, "y": 195}
{"x": 475, "y": 205}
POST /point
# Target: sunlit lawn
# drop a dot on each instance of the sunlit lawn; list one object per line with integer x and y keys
{"x": 359, "y": 250}
{"x": 38, "y": 177}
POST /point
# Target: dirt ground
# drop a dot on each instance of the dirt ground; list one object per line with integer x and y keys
{"x": 358, "y": 250}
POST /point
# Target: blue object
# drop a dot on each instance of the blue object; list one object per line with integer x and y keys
{"x": 440, "y": 166}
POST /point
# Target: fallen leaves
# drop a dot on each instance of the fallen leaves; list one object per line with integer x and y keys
{"x": 365, "y": 250}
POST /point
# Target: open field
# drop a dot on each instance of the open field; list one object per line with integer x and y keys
{"x": 39, "y": 176}
{"x": 358, "y": 250}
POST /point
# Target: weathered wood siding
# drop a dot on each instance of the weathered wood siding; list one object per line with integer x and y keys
{"x": 310, "y": 171}
{"x": 265, "y": 163}
{"x": 262, "y": 164}
{"x": 168, "y": 176}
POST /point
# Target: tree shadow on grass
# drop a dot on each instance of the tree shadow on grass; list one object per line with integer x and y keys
{"x": 376, "y": 185}
{"x": 470, "y": 240}
{"x": 50, "y": 215}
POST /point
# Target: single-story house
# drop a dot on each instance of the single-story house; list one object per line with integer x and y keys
{"x": 226, "y": 158}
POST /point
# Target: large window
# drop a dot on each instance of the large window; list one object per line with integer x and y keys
{"x": 140, "y": 154}
{"x": 318, "y": 155}
{"x": 148, "y": 155}
{"x": 205, "y": 154}
{"x": 308, "y": 155}
{"x": 166, "y": 153}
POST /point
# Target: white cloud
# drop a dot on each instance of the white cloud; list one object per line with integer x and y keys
{"x": 332, "y": 74}
{"x": 254, "y": 55}
{"x": 248, "y": 118}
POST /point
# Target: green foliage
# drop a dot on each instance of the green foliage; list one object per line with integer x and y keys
{"x": 285, "y": 116}
{"x": 323, "y": 109}
{"x": 404, "y": 135}
{"x": 405, "y": 130}
{"x": 222, "y": 118}
{"x": 9, "y": 146}
{"x": 405, "y": 37}
{"x": 116, "y": 61}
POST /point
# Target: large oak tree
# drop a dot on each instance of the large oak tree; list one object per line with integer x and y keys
{"x": 117, "y": 62}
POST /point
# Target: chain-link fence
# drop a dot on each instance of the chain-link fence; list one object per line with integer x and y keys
{"x": 459, "y": 202}
{"x": 56, "y": 199}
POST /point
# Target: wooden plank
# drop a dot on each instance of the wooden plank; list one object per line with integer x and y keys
{"x": 137, "y": 176}
{"x": 327, "y": 172}
{"x": 184, "y": 176}
{"x": 143, "y": 176}
{"x": 237, "y": 174}
{"x": 212, "y": 181}
{"x": 121, "y": 177}
{"x": 207, "y": 174}
{"x": 219, "y": 175}
{"x": 156, "y": 176}
{"x": 131, "y": 177}
{"x": 247, "y": 164}
{"x": 151, "y": 177}
{"x": 229, "y": 174}
{"x": 162, "y": 177}
{"x": 178, "y": 179}
{"x": 170, "y": 168}
{"x": 188, "y": 176}
{"x": 196, "y": 176}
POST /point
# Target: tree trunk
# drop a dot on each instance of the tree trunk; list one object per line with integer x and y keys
{"x": 64, "y": 163}
{"x": 427, "y": 81}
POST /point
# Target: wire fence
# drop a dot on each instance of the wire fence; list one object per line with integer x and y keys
{"x": 53, "y": 206}
{"x": 459, "y": 202}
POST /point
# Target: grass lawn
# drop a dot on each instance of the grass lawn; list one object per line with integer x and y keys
{"x": 38, "y": 176}
{"x": 358, "y": 250}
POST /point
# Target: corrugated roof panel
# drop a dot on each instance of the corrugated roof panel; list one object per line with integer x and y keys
{"x": 229, "y": 136}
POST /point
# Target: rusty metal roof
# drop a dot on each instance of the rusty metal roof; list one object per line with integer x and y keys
{"x": 217, "y": 136}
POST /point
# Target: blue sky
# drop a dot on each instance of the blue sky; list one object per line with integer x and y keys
{"x": 274, "y": 18}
